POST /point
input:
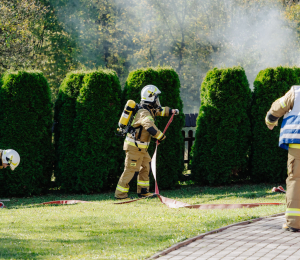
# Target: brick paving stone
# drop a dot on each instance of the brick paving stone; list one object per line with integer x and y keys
{"x": 199, "y": 256}
{"x": 277, "y": 251}
{"x": 293, "y": 250}
{"x": 199, "y": 252}
{"x": 283, "y": 247}
{"x": 235, "y": 254}
{"x": 176, "y": 258}
{"x": 271, "y": 246}
{"x": 240, "y": 249}
{"x": 226, "y": 251}
{"x": 257, "y": 254}
{"x": 175, "y": 252}
{"x": 211, "y": 253}
{"x": 222, "y": 254}
{"x": 270, "y": 255}
{"x": 266, "y": 250}
{"x": 249, "y": 252}
{"x": 184, "y": 253}
{"x": 281, "y": 257}
{"x": 193, "y": 244}
{"x": 296, "y": 252}
{"x": 286, "y": 253}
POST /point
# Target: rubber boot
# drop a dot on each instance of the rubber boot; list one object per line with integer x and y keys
{"x": 145, "y": 194}
{"x": 287, "y": 228}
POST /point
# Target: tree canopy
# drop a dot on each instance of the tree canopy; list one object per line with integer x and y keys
{"x": 192, "y": 36}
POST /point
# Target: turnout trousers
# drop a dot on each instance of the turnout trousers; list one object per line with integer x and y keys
{"x": 293, "y": 189}
{"x": 137, "y": 164}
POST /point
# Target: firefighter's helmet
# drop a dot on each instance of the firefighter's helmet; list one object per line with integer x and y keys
{"x": 11, "y": 157}
{"x": 149, "y": 94}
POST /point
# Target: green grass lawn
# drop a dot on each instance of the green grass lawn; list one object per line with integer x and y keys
{"x": 103, "y": 230}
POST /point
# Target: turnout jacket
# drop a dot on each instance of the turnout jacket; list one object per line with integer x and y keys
{"x": 145, "y": 127}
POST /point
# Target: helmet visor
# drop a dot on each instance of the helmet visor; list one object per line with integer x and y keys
{"x": 157, "y": 102}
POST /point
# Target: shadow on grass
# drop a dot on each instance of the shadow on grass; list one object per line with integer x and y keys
{"x": 35, "y": 201}
{"x": 15, "y": 248}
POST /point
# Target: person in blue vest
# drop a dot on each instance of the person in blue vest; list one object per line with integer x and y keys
{"x": 289, "y": 106}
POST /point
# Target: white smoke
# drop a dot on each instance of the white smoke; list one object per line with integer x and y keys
{"x": 215, "y": 33}
{"x": 256, "y": 38}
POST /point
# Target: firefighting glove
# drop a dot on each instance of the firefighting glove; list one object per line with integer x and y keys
{"x": 161, "y": 139}
{"x": 176, "y": 112}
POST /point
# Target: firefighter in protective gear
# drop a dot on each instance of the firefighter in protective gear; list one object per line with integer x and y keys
{"x": 137, "y": 161}
{"x": 9, "y": 158}
{"x": 289, "y": 106}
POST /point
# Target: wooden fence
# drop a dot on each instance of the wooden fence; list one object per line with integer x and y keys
{"x": 190, "y": 121}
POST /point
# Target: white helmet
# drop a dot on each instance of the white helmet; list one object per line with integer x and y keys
{"x": 149, "y": 94}
{"x": 11, "y": 157}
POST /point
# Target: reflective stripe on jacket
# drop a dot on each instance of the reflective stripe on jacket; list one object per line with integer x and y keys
{"x": 132, "y": 142}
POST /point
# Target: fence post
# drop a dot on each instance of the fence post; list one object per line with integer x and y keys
{"x": 183, "y": 135}
{"x": 190, "y": 143}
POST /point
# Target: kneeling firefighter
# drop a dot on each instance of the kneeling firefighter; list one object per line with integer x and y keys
{"x": 9, "y": 158}
{"x": 289, "y": 105}
{"x": 137, "y": 162}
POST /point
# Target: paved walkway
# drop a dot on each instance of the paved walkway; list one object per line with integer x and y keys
{"x": 263, "y": 240}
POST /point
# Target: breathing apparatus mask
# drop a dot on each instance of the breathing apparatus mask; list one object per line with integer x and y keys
{"x": 155, "y": 104}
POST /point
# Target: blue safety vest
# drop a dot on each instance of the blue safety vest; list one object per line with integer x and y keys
{"x": 290, "y": 127}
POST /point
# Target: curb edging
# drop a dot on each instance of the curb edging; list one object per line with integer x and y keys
{"x": 190, "y": 240}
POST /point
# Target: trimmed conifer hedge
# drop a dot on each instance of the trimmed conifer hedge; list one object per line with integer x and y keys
{"x": 98, "y": 151}
{"x": 65, "y": 143}
{"x": 170, "y": 153}
{"x": 268, "y": 161}
{"x": 223, "y": 136}
{"x": 25, "y": 126}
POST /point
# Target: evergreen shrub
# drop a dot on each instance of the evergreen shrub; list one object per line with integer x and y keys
{"x": 170, "y": 153}
{"x": 268, "y": 161}
{"x": 65, "y": 143}
{"x": 297, "y": 71}
{"x": 25, "y": 126}
{"x": 223, "y": 135}
{"x": 98, "y": 153}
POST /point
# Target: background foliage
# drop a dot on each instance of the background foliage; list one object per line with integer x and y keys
{"x": 65, "y": 113}
{"x": 223, "y": 136}
{"x": 98, "y": 149}
{"x": 170, "y": 152}
{"x": 268, "y": 161}
{"x": 25, "y": 125}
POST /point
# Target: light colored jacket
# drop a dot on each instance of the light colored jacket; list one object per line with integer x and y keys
{"x": 145, "y": 127}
